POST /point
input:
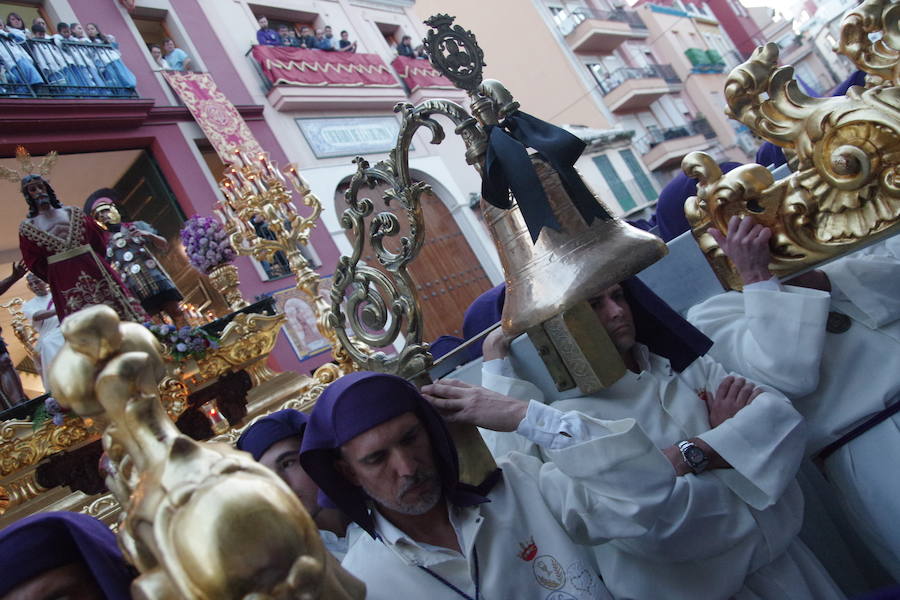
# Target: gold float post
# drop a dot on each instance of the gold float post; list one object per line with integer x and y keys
{"x": 193, "y": 511}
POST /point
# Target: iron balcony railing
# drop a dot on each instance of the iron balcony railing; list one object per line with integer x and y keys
{"x": 657, "y": 135}
{"x": 47, "y": 68}
{"x": 568, "y": 23}
{"x": 608, "y": 81}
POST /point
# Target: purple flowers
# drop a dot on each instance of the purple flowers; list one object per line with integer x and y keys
{"x": 187, "y": 342}
{"x": 206, "y": 243}
{"x": 55, "y": 410}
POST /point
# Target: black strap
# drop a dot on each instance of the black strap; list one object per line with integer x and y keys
{"x": 508, "y": 167}
{"x": 857, "y": 431}
{"x": 453, "y": 587}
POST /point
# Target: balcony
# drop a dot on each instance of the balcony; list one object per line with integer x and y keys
{"x": 705, "y": 61}
{"x": 662, "y": 148}
{"x": 600, "y": 32}
{"x": 423, "y": 82}
{"x": 44, "y": 69}
{"x": 630, "y": 88}
{"x": 300, "y": 79}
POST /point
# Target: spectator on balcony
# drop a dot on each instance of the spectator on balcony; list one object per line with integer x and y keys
{"x": 38, "y": 31}
{"x": 307, "y": 39}
{"x": 177, "y": 58}
{"x": 18, "y": 66}
{"x": 79, "y": 70}
{"x": 323, "y": 42}
{"x": 78, "y": 34}
{"x": 344, "y": 44}
{"x": 40, "y": 21}
{"x": 49, "y": 59}
{"x": 158, "y": 60}
{"x": 404, "y": 48}
{"x": 266, "y": 36}
{"x": 288, "y": 37}
{"x": 94, "y": 35}
{"x": 15, "y": 22}
{"x": 109, "y": 60}
{"x": 62, "y": 32}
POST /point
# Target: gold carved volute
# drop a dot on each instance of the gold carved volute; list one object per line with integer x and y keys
{"x": 844, "y": 191}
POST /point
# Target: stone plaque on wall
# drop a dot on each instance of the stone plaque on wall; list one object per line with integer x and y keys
{"x": 349, "y": 136}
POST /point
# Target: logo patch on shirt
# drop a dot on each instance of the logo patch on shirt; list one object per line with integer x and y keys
{"x": 528, "y": 551}
{"x": 548, "y": 572}
{"x": 703, "y": 395}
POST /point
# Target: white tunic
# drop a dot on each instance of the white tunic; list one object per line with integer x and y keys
{"x": 610, "y": 483}
{"x": 50, "y": 337}
{"x": 777, "y": 335}
{"x": 727, "y": 533}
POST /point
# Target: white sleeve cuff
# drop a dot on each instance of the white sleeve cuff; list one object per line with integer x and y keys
{"x": 499, "y": 366}
{"x": 551, "y": 428}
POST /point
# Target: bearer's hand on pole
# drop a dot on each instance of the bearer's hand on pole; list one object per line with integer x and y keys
{"x": 496, "y": 345}
{"x": 747, "y": 245}
{"x": 460, "y": 402}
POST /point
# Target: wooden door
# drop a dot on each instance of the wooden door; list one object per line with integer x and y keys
{"x": 446, "y": 272}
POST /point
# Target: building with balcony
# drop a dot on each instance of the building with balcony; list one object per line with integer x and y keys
{"x": 737, "y": 22}
{"x": 811, "y": 68}
{"x": 701, "y": 55}
{"x": 596, "y": 72}
{"x": 141, "y": 137}
{"x": 109, "y": 112}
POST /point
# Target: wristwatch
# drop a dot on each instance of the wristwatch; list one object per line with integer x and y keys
{"x": 693, "y": 456}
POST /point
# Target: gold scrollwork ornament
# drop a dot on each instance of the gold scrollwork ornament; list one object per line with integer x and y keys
{"x": 845, "y": 188}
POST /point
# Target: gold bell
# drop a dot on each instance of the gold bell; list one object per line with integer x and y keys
{"x": 550, "y": 281}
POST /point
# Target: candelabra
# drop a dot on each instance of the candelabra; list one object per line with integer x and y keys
{"x": 261, "y": 219}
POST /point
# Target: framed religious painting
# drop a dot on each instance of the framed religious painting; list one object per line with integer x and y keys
{"x": 300, "y": 321}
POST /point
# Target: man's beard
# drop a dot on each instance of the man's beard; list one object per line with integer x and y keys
{"x": 425, "y": 502}
{"x": 42, "y": 200}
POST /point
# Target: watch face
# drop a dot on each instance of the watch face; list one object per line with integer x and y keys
{"x": 694, "y": 455}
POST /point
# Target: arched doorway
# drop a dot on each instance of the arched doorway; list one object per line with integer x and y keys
{"x": 447, "y": 273}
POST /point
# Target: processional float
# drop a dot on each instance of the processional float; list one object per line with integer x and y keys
{"x": 111, "y": 371}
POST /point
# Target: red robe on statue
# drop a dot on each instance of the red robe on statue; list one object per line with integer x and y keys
{"x": 74, "y": 269}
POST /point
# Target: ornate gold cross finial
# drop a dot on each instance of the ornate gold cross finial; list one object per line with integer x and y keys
{"x": 454, "y": 52}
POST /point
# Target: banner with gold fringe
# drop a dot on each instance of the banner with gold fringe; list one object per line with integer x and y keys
{"x": 417, "y": 73}
{"x": 215, "y": 114}
{"x": 296, "y": 66}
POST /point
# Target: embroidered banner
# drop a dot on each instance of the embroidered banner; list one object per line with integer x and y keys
{"x": 417, "y": 73}
{"x": 297, "y": 66}
{"x": 214, "y": 113}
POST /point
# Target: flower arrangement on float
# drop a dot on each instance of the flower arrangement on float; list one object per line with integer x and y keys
{"x": 210, "y": 251}
{"x": 185, "y": 342}
{"x": 206, "y": 244}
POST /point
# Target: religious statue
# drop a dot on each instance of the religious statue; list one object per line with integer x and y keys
{"x": 11, "y": 392}
{"x": 65, "y": 248}
{"x": 129, "y": 253}
{"x": 202, "y": 521}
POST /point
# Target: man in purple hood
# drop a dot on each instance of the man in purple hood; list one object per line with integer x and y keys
{"x": 274, "y": 441}
{"x": 383, "y": 454}
{"x": 62, "y": 555}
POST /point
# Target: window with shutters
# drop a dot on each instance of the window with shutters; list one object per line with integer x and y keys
{"x": 640, "y": 176}
{"x": 615, "y": 183}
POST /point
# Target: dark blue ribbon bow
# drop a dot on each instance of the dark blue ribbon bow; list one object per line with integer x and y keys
{"x": 508, "y": 167}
